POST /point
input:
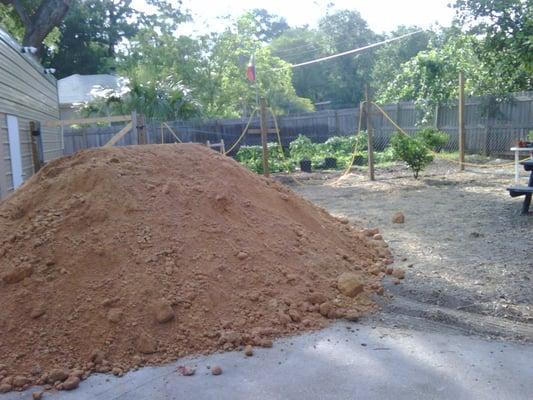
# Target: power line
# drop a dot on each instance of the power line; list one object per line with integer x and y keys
{"x": 345, "y": 53}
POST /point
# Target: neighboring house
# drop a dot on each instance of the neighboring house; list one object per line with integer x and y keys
{"x": 28, "y": 94}
{"x": 74, "y": 90}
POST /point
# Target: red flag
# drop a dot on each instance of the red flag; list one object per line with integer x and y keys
{"x": 250, "y": 71}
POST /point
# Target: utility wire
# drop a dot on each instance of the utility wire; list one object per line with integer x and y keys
{"x": 345, "y": 53}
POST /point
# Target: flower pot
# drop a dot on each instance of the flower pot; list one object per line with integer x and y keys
{"x": 359, "y": 160}
{"x": 330, "y": 163}
{"x": 305, "y": 165}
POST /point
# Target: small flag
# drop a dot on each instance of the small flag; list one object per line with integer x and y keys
{"x": 250, "y": 71}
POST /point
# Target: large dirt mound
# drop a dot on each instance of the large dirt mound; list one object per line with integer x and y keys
{"x": 112, "y": 258}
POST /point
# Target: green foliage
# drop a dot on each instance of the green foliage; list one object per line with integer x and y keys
{"x": 412, "y": 151}
{"x": 302, "y": 148}
{"x": 90, "y": 33}
{"x": 507, "y": 31}
{"x": 252, "y": 158}
{"x": 433, "y": 138}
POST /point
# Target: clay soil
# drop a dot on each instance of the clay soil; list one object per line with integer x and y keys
{"x": 115, "y": 258}
{"x": 464, "y": 244}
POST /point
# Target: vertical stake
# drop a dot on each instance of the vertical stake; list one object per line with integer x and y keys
{"x": 264, "y": 132}
{"x": 369, "y": 133}
{"x": 35, "y": 131}
{"x": 461, "y": 113}
{"x": 141, "y": 129}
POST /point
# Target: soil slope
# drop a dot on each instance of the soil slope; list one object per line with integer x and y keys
{"x": 113, "y": 258}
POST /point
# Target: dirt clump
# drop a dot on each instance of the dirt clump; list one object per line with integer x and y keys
{"x": 121, "y": 257}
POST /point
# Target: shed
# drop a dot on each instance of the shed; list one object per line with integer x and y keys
{"x": 76, "y": 89}
{"x": 28, "y": 98}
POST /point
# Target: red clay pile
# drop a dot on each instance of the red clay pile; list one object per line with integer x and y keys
{"x": 115, "y": 258}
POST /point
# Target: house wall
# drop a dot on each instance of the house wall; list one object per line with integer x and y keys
{"x": 30, "y": 95}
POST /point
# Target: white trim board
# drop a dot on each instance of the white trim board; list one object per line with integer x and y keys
{"x": 15, "y": 153}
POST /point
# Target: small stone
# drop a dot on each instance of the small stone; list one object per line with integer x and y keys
{"x": 8, "y": 380}
{"x": 352, "y": 316}
{"x": 186, "y": 371}
{"x": 389, "y": 270}
{"x": 264, "y": 343}
{"x": 114, "y": 315}
{"x": 348, "y": 284}
{"x": 4, "y": 388}
{"x": 97, "y": 356}
{"x": 380, "y": 290}
{"x": 326, "y": 309}
{"x": 398, "y": 273}
{"x": 77, "y": 372}
{"x": 216, "y": 370}
{"x": 396, "y": 281}
{"x": 36, "y": 370}
{"x": 17, "y": 274}
{"x": 19, "y": 381}
{"x": 71, "y": 383}
{"x": 37, "y": 395}
{"x": 378, "y": 236}
{"x": 295, "y": 315}
{"x": 163, "y": 312}
{"x": 116, "y": 371}
{"x": 248, "y": 351}
{"x": 317, "y": 298}
{"x": 37, "y": 311}
{"x": 57, "y": 375}
{"x": 398, "y": 218}
{"x": 242, "y": 255}
{"x": 146, "y": 344}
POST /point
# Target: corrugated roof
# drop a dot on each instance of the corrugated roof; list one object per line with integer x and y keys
{"x": 79, "y": 88}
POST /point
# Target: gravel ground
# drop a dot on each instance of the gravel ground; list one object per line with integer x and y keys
{"x": 464, "y": 244}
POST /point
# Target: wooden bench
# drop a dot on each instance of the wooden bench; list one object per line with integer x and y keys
{"x": 516, "y": 191}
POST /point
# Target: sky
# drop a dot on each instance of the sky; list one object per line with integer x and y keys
{"x": 381, "y": 15}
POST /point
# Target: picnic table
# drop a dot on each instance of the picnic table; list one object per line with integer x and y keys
{"x": 517, "y": 151}
{"x": 527, "y": 191}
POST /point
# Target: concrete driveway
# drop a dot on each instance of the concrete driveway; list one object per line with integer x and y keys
{"x": 343, "y": 361}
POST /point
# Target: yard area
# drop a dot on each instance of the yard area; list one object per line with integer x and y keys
{"x": 464, "y": 244}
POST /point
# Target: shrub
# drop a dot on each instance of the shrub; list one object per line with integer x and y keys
{"x": 302, "y": 148}
{"x": 252, "y": 158}
{"x": 433, "y": 138}
{"x": 412, "y": 151}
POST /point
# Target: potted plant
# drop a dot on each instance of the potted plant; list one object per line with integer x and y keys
{"x": 302, "y": 150}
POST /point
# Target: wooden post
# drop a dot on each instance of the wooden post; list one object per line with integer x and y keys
{"x": 264, "y": 132}
{"x": 161, "y": 129}
{"x": 35, "y": 131}
{"x": 369, "y": 133}
{"x": 141, "y": 128}
{"x": 461, "y": 113}
{"x": 134, "y": 124}
{"x": 222, "y": 147}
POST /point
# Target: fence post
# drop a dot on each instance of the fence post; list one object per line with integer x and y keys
{"x": 35, "y": 130}
{"x": 369, "y": 133}
{"x": 141, "y": 126}
{"x": 461, "y": 121}
{"x": 264, "y": 132}
{"x": 134, "y": 126}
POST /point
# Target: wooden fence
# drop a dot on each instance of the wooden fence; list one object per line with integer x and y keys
{"x": 489, "y": 135}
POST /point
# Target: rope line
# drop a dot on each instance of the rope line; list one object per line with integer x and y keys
{"x": 242, "y": 134}
{"x": 437, "y": 155}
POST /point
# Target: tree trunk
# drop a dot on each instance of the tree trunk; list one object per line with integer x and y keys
{"x": 38, "y": 25}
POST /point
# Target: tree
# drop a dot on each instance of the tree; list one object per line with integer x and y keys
{"x": 340, "y": 81}
{"x": 269, "y": 26}
{"x": 430, "y": 78}
{"x": 89, "y": 35}
{"x": 389, "y": 58}
{"x": 507, "y": 30}
{"x": 36, "y": 18}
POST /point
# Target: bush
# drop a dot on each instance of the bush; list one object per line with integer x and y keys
{"x": 412, "y": 151}
{"x": 252, "y": 158}
{"x": 433, "y": 138}
{"x": 302, "y": 149}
